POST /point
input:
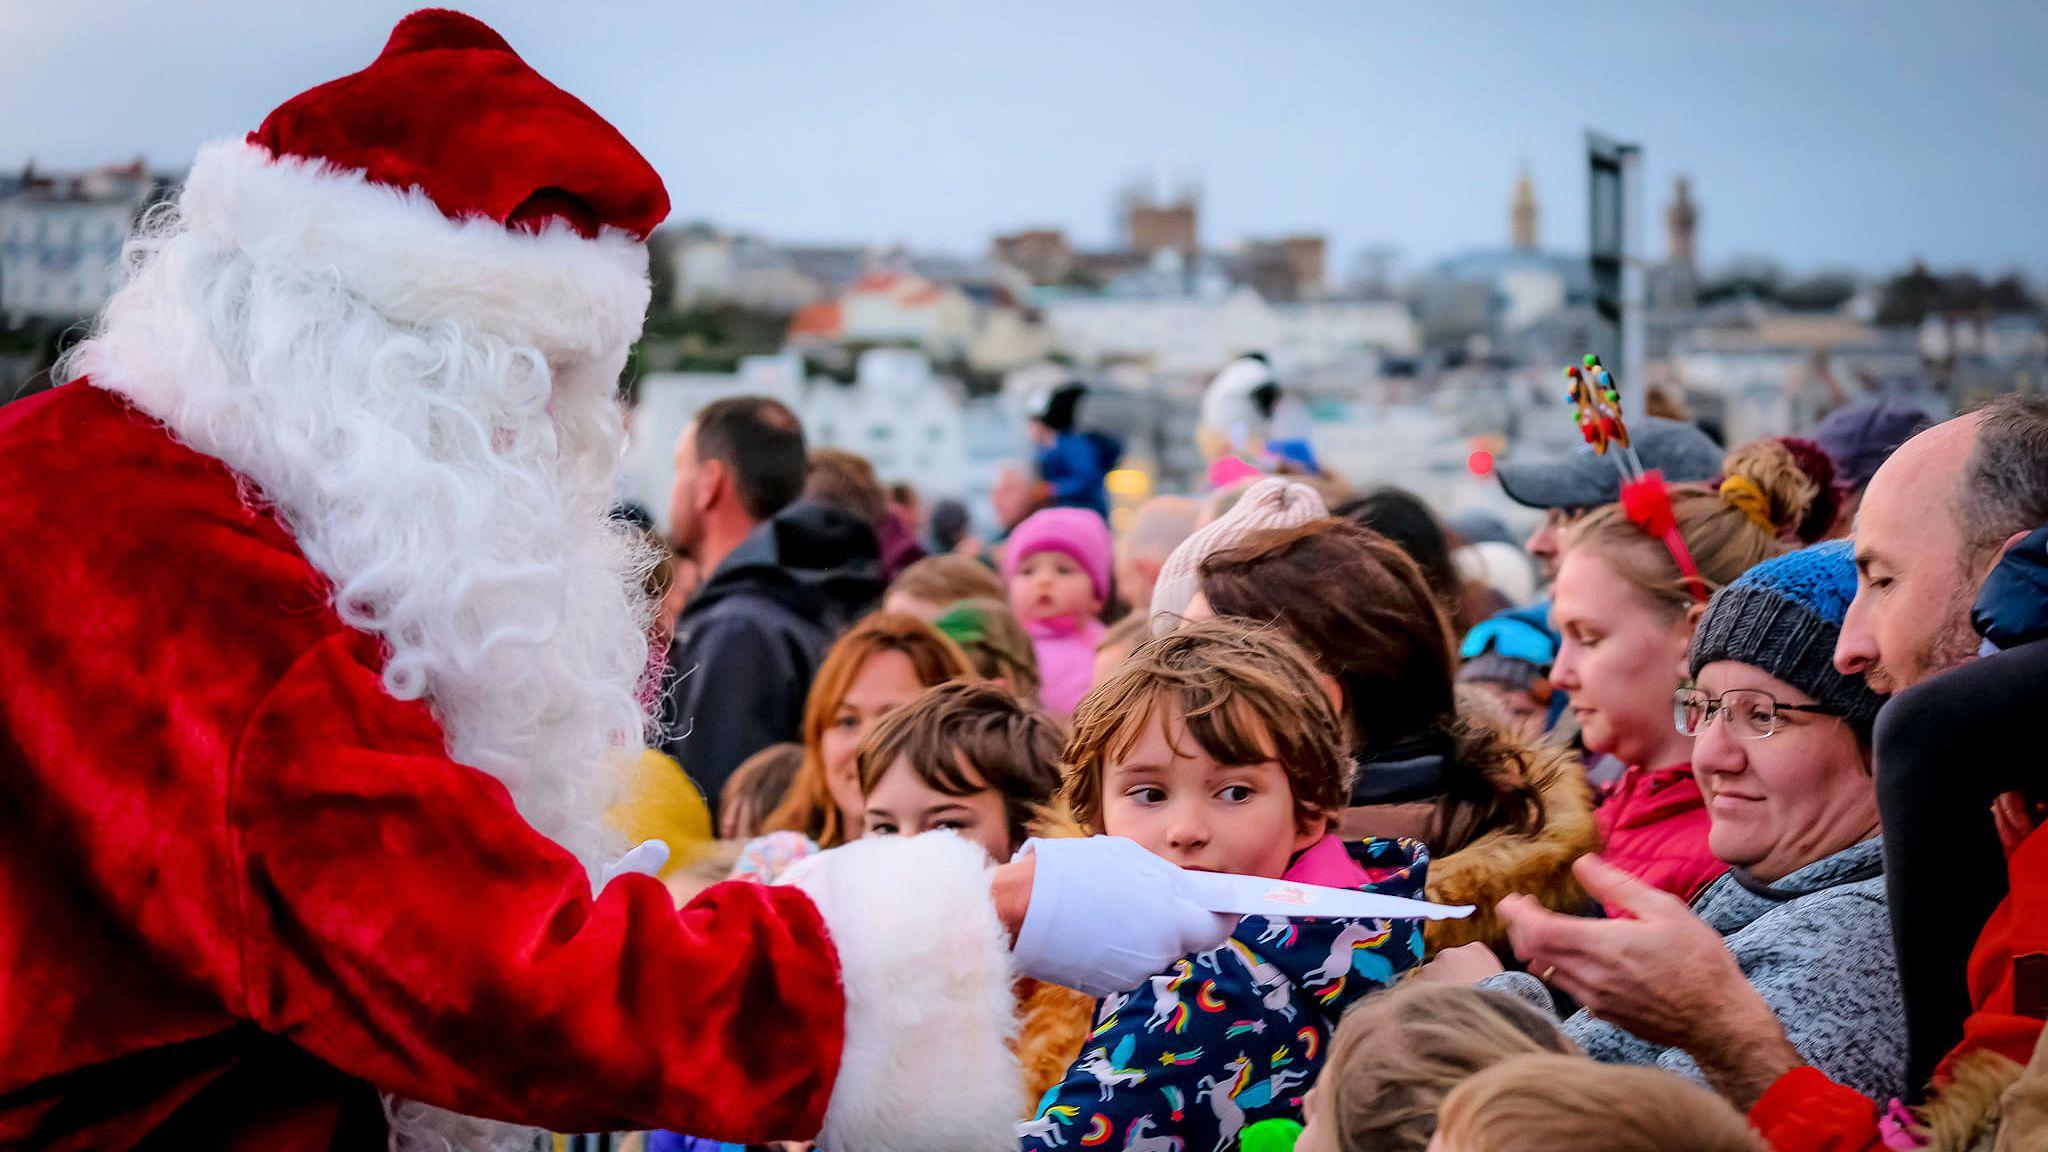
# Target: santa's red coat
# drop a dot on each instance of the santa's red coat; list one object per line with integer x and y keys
{"x": 243, "y": 889}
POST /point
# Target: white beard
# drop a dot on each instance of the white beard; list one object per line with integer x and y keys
{"x": 453, "y": 484}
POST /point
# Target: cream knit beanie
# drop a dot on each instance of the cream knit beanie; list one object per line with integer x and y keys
{"x": 1271, "y": 503}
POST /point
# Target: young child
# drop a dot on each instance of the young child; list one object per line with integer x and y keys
{"x": 1576, "y": 1103}
{"x": 1056, "y": 565}
{"x": 995, "y": 643}
{"x": 964, "y": 756}
{"x": 1400, "y": 1052}
{"x": 972, "y": 758}
{"x": 1214, "y": 748}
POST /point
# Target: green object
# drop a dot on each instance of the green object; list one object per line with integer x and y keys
{"x": 1270, "y": 1136}
{"x": 1592, "y": 361}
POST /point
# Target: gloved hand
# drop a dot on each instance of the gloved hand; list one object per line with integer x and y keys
{"x": 646, "y": 858}
{"x": 1105, "y": 914}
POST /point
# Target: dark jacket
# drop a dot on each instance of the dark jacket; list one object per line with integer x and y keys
{"x": 2012, "y": 605}
{"x": 1074, "y": 466}
{"x": 751, "y": 639}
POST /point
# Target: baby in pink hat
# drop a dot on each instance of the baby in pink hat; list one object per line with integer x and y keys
{"x": 1057, "y": 568}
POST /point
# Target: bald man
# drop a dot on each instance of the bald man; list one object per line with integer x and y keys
{"x": 1934, "y": 520}
{"x": 1159, "y": 526}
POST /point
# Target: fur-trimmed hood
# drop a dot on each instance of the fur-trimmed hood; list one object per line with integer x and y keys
{"x": 1502, "y": 863}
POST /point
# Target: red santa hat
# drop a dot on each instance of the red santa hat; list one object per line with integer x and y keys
{"x": 447, "y": 181}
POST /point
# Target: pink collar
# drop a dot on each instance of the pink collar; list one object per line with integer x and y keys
{"x": 1326, "y": 862}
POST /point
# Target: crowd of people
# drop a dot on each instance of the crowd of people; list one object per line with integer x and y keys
{"x": 380, "y": 781}
{"x": 1654, "y": 768}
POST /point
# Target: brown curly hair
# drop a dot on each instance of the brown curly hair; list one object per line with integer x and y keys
{"x": 1247, "y": 696}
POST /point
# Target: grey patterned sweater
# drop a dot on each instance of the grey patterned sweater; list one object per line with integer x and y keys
{"x": 1822, "y": 960}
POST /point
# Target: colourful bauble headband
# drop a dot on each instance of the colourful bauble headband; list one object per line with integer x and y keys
{"x": 1645, "y": 498}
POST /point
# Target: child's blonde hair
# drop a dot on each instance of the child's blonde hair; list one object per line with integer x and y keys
{"x": 1247, "y": 696}
{"x": 1398, "y": 1053}
{"x": 1572, "y": 1102}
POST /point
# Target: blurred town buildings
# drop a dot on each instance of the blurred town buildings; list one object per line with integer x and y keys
{"x": 921, "y": 360}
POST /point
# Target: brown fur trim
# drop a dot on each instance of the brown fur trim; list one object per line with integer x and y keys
{"x": 1052, "y": 1024}
{"x": 2023, "y": 1110}
{"x": 1964, "y": 1108}
{"x": 1500, "y": 863}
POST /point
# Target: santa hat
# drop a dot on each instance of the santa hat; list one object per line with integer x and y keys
{"x": 446, "y": 182}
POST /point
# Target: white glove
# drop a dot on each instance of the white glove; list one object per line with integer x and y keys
{"x": 1105, "y": 914}
{"x": 646, "y": 858}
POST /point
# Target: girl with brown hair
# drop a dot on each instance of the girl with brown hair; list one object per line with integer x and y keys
{"x": 1499, "y": 816}
{"x": 880, "y": 664}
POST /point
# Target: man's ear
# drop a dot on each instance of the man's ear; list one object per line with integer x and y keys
{"x": 714, "y": 484}
{"x": 1691, "y": 625}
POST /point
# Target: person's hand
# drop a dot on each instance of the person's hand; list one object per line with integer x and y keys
{"x": 1102, "y": 914}
{"x": 1661, "y": 973}
{"x": 1465, "y": 964}
{"x": 2014, "y": 818}
{"x": 646, "y": 858}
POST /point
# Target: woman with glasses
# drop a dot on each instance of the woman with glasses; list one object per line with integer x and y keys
{"x": 1798, "y": 926}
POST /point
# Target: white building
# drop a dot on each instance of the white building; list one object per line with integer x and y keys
{"x": 1200, "y": 332}
{"x": 909, "y": 422}
{"x": 61, "y": 236}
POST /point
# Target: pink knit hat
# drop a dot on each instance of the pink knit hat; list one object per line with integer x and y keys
{"x": 1077, "y": 532}
{"x": 1271, "y": 503}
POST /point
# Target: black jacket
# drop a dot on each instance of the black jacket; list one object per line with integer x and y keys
{"x": 751, "y": 639}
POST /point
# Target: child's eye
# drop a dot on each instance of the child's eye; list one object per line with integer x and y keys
{"x": 881, "y": 829}
{"x": 848, "y": 721}
{"x": 950, "y": 825}
{"x": 1235, "y": 794}
{"x": 1147, "y": 795}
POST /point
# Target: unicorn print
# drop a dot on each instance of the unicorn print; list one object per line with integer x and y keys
{"x": 1279, "y": 930}
{"x": 1112, "y": 1071}
{"x": 1274, "y": 990}
{"x": 1356, "y": 935}
{"x": 1140, "y": 1139}
{"x": 1050, "y": 1127}
{"x": 1168, "y": 1011}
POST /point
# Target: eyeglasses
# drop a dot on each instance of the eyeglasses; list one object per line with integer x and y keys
{"x": 1751, "y": 713}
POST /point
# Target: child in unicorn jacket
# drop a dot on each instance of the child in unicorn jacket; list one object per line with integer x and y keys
{"x": 1214, "y": 748}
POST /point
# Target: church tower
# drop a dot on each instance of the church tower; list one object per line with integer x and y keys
{"x": 1680, "y": 221}
{"x": 1522, "y": 214}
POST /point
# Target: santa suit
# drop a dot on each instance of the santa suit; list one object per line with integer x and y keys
{"x": 244, "y": 890}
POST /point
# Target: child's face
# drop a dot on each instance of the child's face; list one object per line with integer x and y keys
{"x": 1049, "y": 585}
{"x": 1172, "y": 797}
{"x": 1318, "y": 1128}
{"x": 901, "y": 803}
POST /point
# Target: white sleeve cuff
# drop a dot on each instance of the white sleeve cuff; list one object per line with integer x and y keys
{"x": 925, "y": 967}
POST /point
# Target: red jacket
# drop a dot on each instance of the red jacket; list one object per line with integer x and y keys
{"x": 1806, "y": 1112}
{"x": 1653, "y": 825}
{"x": 243, "y": 889}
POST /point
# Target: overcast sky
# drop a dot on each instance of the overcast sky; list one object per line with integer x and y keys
{"x": 1849, "y": 134}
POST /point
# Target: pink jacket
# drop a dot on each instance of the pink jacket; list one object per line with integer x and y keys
{"x": 1066, "y": 660}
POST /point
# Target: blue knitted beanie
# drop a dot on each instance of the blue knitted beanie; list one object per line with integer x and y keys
{"x": 1784, "y": 616}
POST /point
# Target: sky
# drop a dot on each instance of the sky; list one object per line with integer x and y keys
{"x": 1828, "y": 135}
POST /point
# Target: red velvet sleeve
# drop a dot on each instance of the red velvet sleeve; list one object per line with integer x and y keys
{"x": 399, "y": 920}
{"x": 1807, "y": 1112}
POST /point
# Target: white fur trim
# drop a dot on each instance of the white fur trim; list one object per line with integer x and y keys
{"x": 553, "y": 290}
{"x": 925, "y": 965}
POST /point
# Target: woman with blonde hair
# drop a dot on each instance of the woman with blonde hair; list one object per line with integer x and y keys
{"x": 1625, "y": 605}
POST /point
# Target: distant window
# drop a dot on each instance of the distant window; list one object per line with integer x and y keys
{"x": 880, "y": 432}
